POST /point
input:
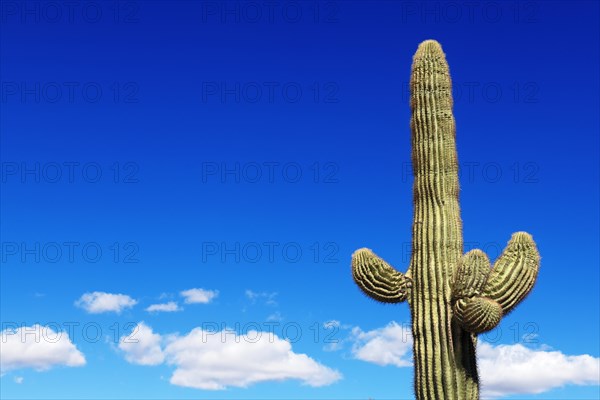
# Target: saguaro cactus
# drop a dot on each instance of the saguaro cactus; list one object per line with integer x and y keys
{"x": 452, "y": 296}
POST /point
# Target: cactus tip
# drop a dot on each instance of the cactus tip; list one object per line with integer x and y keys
{"x": 521, "y": 237}
{"x": 477, "y": 254}
{"x": 363, "y": 251}
{"x": 429, "y": 47}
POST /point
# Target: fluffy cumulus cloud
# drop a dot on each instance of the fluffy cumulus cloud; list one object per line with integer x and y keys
{"x": 205, "y": 360}
{"x": 171, "y": 306}
{"x": 516, "y": 369}
{"x": 212, "y": 360}
{"x": 102, "y": 302}
{"x": 202, "y": 296}
{"x": 390, "y": 345}
{"x": 504, "y": 369}
{"x": 38, "y": 347}
{"x": 142, "y": 346}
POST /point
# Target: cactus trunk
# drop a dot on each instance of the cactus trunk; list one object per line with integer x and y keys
{"x": 452, "y": 296}
{"x": 446, "y": 355}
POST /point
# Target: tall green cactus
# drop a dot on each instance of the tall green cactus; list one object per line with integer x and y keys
{"x": 452, "y": 296}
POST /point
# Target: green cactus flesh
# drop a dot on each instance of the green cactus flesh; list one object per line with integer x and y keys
{"x": 452, "y": 296}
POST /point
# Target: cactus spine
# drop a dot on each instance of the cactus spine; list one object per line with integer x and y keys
{"x": 452, "y": 296}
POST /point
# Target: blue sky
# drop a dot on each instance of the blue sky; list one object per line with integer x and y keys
{"x": 172, "y": 169}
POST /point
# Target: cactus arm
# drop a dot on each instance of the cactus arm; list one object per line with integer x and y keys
{"x": 482, "y": 296}
{"x": 475, "y": 313}
{"x": 378, "y": 279}
{"x": 472, "y": 274}
{"x": 514, "y": 273}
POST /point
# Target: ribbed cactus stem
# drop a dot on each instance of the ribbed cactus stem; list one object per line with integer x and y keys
{"x": 452, "y": 296}
{"x": 437, "y": 233}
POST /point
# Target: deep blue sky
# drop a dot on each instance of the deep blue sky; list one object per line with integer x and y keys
{"x": 161, "y": 97}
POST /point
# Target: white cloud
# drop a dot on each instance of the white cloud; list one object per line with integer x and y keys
{"x": 390, "y": 345}
{"x": 19, "y": 380}
{"x": 268, "y": 297}
{"x": 504, "y": 369}
{"x": 38, "y": 347}
{"x": 332, "y": 338}
{"x": 217, "y": 360}
{"x": 199, "y": 295}
{"x": 333, "y": 346}
{"x": 334, "y": 323}
{"x": 205, "y": 360}
{"x": 101, "y": 302}
{"x": 276, "y": 316}
{"x": 171, "y": 306}
{"x": 516, "y": 369}
{"x": 142, "y": 346}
